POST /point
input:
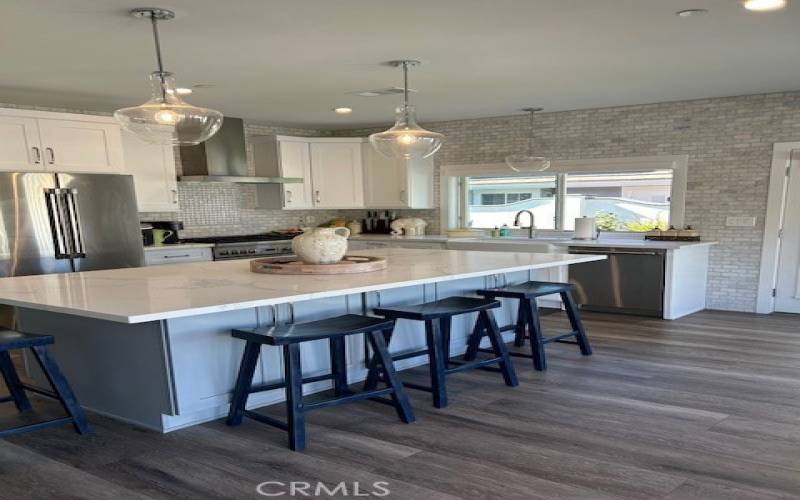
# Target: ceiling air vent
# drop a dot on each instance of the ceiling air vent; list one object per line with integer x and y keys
{"x": 379, "y": 92}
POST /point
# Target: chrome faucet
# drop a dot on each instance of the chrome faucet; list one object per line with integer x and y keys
{"x": 531, "y": 227}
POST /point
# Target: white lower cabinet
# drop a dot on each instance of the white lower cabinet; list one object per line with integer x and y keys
{"x": 154, "y": 175}
{"x": 156, "y": 256}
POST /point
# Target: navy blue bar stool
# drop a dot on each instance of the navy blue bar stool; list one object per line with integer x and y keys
{"x": 528, "y": 316}
{"x": 11, "y": 340}
{"x": 290, "y": 337}
{"x": 438, "y": 316}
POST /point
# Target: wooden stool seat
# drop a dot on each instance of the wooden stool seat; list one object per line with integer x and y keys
{"x": 11, "y": 340}
{"x": 449, "y": 307}
{"x": 438, "y": 316}
{"x": 340, "y": 326}
{"x": 528, "y": 318}
{"x": 289, "y": 337}
{"x": 530, "y": 289}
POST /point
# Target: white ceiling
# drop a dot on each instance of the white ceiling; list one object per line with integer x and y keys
{"x": 291, "y": 61}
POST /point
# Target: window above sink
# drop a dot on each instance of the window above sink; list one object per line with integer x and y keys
{"x": 624, "y": 194}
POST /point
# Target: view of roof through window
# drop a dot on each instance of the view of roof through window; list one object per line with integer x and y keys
{"x": 629, "y": 201}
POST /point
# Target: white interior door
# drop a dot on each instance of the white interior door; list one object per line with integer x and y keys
{"x": 787, "y": 291}
{"x": 19, "y": 144}
{"x": 81, "y": 146}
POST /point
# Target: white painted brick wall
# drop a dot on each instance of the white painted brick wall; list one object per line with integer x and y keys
{"x": 728, "y": 140}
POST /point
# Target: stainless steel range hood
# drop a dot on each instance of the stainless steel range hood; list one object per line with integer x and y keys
{"x": 223, "y": 158}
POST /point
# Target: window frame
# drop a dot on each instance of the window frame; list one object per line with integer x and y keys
{"x": 453, "y": 188}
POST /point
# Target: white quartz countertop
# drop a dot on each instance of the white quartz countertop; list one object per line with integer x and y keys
{"x": 389, "y": 237}
{"x": 174, "y": 246}
{"x": 560, "y": 242}
{"x": 623, "y": 243}
{"x": 137, "y": 295}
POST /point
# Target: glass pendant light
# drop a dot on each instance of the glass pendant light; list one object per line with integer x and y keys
{"x": 528, "y": 162}
{"x": 166, "y": 118}
{"x": 406, "y": 139}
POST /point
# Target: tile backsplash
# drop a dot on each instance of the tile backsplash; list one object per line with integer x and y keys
{"x": 220, "y": 209}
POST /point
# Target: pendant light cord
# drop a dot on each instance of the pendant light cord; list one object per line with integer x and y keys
{"x": 530, "y": 135}
{"x": 405, "y": 89}
{"x": 157, "y": 41}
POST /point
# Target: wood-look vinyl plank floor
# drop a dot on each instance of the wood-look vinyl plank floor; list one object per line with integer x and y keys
{"x": 706, "y": 407}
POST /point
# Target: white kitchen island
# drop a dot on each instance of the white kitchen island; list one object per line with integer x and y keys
{"x": 152, "y": 346}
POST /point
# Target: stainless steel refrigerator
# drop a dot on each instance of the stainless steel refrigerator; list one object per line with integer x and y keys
{"x": 62, "y": 222}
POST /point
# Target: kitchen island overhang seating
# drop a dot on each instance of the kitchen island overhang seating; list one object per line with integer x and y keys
{"x": 152, "y": 346}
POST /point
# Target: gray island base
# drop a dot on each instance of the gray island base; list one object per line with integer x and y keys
{"x": 152, "y": 346}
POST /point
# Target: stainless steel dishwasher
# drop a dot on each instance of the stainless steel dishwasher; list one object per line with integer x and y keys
{"x": 630, "y": 281}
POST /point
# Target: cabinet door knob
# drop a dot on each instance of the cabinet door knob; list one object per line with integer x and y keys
{"x": 318, "y": 197}
{"x": 174, "y": 195}
{"x": 52, "y": 155}
{"x": 288, "y": 196}
{"x": 37, "y": 155}
{"x": 403, "y": 197}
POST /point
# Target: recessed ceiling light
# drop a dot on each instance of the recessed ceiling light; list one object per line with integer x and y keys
{"x": 343, "y": 111}
{"x": 691, "y": 12}
{"x": 183, "y": 91}
{"x": 764, "y": 5}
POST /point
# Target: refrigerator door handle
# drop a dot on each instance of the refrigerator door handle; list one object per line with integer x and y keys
{"x": 56, "y": 224}
{"x": 73, "y": 217}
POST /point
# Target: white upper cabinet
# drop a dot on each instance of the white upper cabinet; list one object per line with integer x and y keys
{"x": 154, "y": 175}
{"x": 337, "y": 173}
{"x": 331, "y": 170}
{"x": 81, "y": 146}
{"x": 279, "y": 156}
{"x": 295, "y": 161}
{"x": 63, "y": 142}
{"x": 396, "y": 183}
{"x": 19, "y": 144}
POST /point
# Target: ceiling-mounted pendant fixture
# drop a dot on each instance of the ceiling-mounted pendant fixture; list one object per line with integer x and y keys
{"x": 406, "y": 139}
{"x": 528, "y": 162}
{"x": 166, "y": 118}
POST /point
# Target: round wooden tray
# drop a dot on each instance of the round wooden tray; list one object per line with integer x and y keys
{"x": 349, "y": 265}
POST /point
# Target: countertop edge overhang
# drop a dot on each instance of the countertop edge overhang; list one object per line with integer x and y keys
{"x": 10, "y": 298}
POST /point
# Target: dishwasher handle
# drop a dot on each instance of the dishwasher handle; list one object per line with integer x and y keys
{"x": 614, "y": 252}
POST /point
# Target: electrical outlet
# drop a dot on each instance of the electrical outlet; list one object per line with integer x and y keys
{"x": 310, "y": 219}
{"x": 740, "y": 221}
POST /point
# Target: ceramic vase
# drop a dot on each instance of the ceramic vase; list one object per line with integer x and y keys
{"x": 321, "y": 245}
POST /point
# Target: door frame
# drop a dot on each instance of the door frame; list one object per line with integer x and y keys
{"x": 776, "y": 203}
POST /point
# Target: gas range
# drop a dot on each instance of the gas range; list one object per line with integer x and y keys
{"x": 249, "y": 246}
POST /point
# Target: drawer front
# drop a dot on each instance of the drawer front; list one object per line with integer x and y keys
{"x": 177, "y": 255}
